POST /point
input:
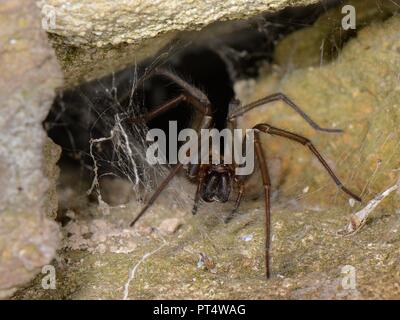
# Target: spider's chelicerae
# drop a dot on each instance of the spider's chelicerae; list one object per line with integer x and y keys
{"x": 215, "y": 181}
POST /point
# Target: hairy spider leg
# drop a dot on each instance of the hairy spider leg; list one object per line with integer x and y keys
{"x": 156, "y": 193}
{"x": 193, "y": 96}
{"x": 264, "y": 127}
{"x": 282, "y": 97}
{"x": 262, "y": 163}
{"x": 197, "y": 195}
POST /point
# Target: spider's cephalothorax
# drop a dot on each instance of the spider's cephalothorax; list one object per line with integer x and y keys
{"x": 215, "y": 182}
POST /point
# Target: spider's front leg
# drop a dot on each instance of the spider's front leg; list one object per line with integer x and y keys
{"x": 194, "y": 97}
{"x": 159, "y": 110}
{"x": 264, "y": 127}
{"x": 267, "y": 199}
{"x": 197, "y": 170}
{"x": 290, "y": 103}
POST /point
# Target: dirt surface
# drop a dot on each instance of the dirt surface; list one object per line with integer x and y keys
{"x": 208, "y": 259}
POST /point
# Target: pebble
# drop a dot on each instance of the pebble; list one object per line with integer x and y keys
{"x": 170, "y": 226}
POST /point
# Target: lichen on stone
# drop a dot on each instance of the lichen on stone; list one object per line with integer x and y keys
{"x": 29, "y": 75}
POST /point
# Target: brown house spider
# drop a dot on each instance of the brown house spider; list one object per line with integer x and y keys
{"x": 214, "y": 182}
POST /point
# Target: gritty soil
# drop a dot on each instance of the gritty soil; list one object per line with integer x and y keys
{"x": 207, "y": 259}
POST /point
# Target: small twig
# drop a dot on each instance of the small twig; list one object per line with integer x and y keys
{"x": 132, "y": 271}
{"x": 358, "y": 219}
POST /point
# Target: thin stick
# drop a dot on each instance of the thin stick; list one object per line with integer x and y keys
{"x": 358, "y": 219}
{"x": 133, "y": 270}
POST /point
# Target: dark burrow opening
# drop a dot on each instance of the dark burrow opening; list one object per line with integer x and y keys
{"x": 89, "y": 110}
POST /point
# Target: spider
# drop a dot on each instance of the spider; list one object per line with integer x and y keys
{"x": 215, "y": 181}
